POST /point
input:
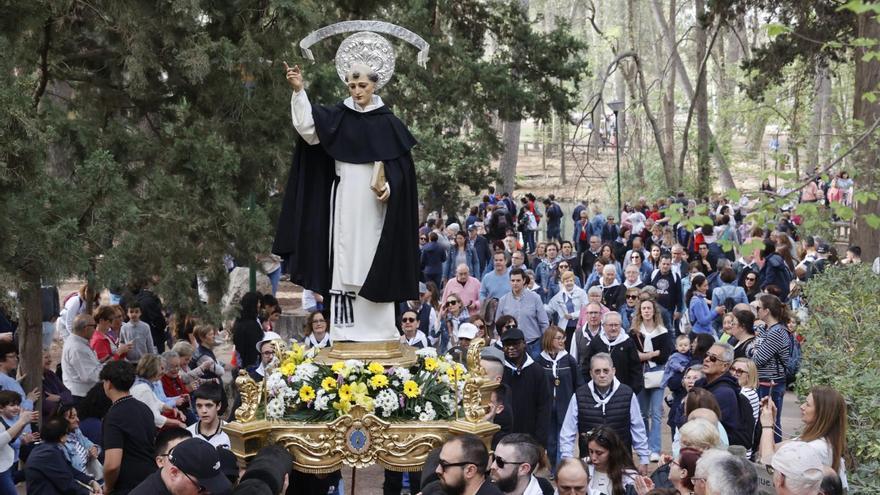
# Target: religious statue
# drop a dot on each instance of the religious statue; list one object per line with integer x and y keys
{"x": 349, "y": 220}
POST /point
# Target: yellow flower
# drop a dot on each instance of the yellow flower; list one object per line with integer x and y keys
{"x": 376, "y": 368}
{"x": 358, "y": 389}
{"x": 343, "y": 406}
{"x": 338, "y": 367}
{"x": 296, "y": 352}
{"x": 430, "y": 364}
{"x": 411, "y": 389}
{"x": 379, "y": 381}
{"x": 306, "y": 393}
{"x": 288, "y": 368}
{"x": 345, "y": 392}
{"x": 328, "y": 383}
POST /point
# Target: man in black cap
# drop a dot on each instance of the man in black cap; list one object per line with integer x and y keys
{"x": 530, "y": 392}
{"x": 193, "y": 467}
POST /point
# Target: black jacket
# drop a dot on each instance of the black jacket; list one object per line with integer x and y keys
{"x": 628, "y": 368}
{"x": 531, "y": 398}
{"x": 48, "y": 472}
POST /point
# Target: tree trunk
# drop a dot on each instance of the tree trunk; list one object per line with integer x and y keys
{"x": 669, "y": 113}
{"x": 510, "y": 155}
{"x": 669, "y": 40}
{"x": 827, "y": 120}
{"x": 30, "y": 334}
{"x": 867, "y": 160}
{"x": 820, "y": 102}
{"x": 507, "y": 166}
{"x": 757, "y": 128}
{"x": 704, "y": 177}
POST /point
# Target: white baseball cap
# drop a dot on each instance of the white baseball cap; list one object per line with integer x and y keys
{"x": 267, "y": 337}
{"x": 466, "y": 331}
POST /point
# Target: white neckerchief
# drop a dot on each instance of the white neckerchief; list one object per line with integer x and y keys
{"x": 614, "y": 283}
{"x": 647, "y": 340}
{"x": 554, "y": 361}
{"x": 629, "y": 285}
{"x": 602, "y": 402}
{"x": 517, "y": 371}
{"x": 313, "y": 342}
{"x": 621, "y": 338}
{"x": 374, "y": 104}
{"x": 260, "y": 369}
{"x": 419, "y": 337}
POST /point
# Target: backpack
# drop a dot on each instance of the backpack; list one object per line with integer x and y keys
{"x": 795, "y": 356}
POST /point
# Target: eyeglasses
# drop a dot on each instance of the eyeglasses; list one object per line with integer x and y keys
{"x": 408, "y": 320}
{"x": 632, "y": 296}
{"x": 322, "y": 320}
{"x": 714, "y": 359}
{"x": 501, "y": 463}
{"x": 268, "y": 353}
{"x": 738, "y": 371}
{"x": 446, "y": 465}
{"x": 423, "y": 238}
{"x": 751, "y": 279}
{"x": 770, "y": 469}
{"x": 480, "y": 325}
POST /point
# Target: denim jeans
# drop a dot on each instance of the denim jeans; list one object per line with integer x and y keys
{"x": 534, "y": 348}
{"x": 529, "y": 241}
{"x": 7, "y": 486}
{"x": 776, "y": 393}
{"x": 651, "y": 404}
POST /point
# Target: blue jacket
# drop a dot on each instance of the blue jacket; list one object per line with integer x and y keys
{"x": 578, "y": 228}
{"x": 731, "y": 291}
{"x": 49, "y": 473}
{"x": 432, "y": 259}
{"x": 700, "y": 314}
{"x": 775, "y": 272}
{"x": 472, "y": 261}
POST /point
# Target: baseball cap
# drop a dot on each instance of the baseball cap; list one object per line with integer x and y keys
{"x": 267, "y": 337}
{"x": 822, "y": 248}
{"x": 466, "y": 331}
{"x": 512, "y": 334}
{"x": 798, "y": 460}
{"x": 199, "y": 460}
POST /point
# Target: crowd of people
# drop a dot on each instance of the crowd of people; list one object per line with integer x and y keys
{"x": 591, "y": 339}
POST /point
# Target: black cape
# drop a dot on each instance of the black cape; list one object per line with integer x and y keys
{"x": 303, "y": 233}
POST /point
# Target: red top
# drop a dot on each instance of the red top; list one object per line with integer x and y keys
{"x": 104, "y": 347}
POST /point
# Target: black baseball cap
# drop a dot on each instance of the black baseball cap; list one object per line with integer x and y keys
{"x": 512, "y": 334}
{"x": 199, "y": 460}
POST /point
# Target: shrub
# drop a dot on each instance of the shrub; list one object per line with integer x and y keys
{"x": 842, "y": 336}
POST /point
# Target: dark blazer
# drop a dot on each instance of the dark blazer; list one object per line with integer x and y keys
{"x": 432, "y": 258}
{"x": 49, "y": 473}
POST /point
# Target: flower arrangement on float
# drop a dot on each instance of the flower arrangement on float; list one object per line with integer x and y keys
{"x": 300, "y": 389}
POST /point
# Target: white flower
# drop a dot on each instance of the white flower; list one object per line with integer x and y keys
{"x": 427, "y": 352}
{"x": 429, "y": 414}
{"x": 387, "y": 402}
{"x": 444, "y": 378}
{"x": 355, "y": 364}
{"x": 322, "y": 401}
{"x": 403, "y": 374}
{"x": 418, "y": 408}
{"x": 275, "y": 409}
{"x": 304, "y": 372}
{"x": 276, "y": 384}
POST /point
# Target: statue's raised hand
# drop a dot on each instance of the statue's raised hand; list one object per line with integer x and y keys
{"x": 294, "y": 77}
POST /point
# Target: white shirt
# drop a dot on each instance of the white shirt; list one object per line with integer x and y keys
{"x": 218, "y": 439}
{"x": 143, "y": 392}
{"x": 533, "y": 488}
{"x": 80, "y": 367}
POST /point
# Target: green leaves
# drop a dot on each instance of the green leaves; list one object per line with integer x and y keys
{"x": 872, "y": 220}
{"x": 775, "y": 29}
{"x": 860, "y": 7}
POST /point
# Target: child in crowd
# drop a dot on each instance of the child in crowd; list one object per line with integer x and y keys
{"x": 137, "y": 333}
{"x": 209, "y": 427}
{"x": 679, "y": 360}
{"x": 10, "y": 409}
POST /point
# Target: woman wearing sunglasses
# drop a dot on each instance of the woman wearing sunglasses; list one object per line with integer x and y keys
{"x": 452, "y": 314}
{"x": 748, "y": 280}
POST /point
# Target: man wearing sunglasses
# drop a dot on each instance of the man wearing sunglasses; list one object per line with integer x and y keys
{"x": 462, "y": 467}
{"x": 725, "y": 387}
{"x": 514, "y": 463}
{"x": 193, "y": 468}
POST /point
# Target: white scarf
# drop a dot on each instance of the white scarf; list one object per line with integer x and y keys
{"x": 647, "y": 340}
{"x": 313, "y": 342}
{"x": 418, "y": 337}
{"x": 628, "y": 285}
{"x": 518, "y": 371}
{"x": 621, "y": 338}
{"x": 602, "y": 402}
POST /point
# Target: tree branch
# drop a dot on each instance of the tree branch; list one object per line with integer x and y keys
{"x": 44, "y": 62}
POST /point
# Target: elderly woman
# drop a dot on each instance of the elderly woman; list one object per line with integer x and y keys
{"x": 173, "y": 386}
{"x": 149, "y": 371}
{"x": 55, "y": 394}
{"x": 190, "y": 376}
{"x": 567, "y": 304}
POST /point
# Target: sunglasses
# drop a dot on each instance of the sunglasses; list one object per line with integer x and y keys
{"x": 446, "y": 465}
{"x": 501, "y": 463}
{"x": 451, "y": 303}
{"x": 738, "y": 371}
{"x": 751, "y": 279}
{"x": 407, "y": 320}
{"x": 632, "y": 297}
{"x": 714, "y": 359}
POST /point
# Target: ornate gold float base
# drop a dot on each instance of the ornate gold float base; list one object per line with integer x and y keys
{"x": 387, "y": 352}
{"x": 358, "y": 439}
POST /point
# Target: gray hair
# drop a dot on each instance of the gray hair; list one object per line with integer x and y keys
{"x": 722, "y": 263}
{"x": 595, "y": 289}
{"x": 727, "y": 351}
{"x": 81, "y": 322}
{"x": 611, "y": 314}
{"x": 600, "y": 357}
{"x": 168, "y": 355}
{"x": 729, "y": 474}
{"x": 609, "y": 268}
{"x": 183, "y": 347}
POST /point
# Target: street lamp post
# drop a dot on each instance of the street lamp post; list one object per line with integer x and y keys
{"x": 616, "y": 107}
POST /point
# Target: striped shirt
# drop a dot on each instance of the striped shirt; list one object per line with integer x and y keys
{"x": 772, "y": 350}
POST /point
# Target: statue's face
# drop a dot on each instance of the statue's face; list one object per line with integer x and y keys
{"x": 360, "y": 87}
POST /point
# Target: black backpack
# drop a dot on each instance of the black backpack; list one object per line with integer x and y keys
{"x": 745, "y": 433}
